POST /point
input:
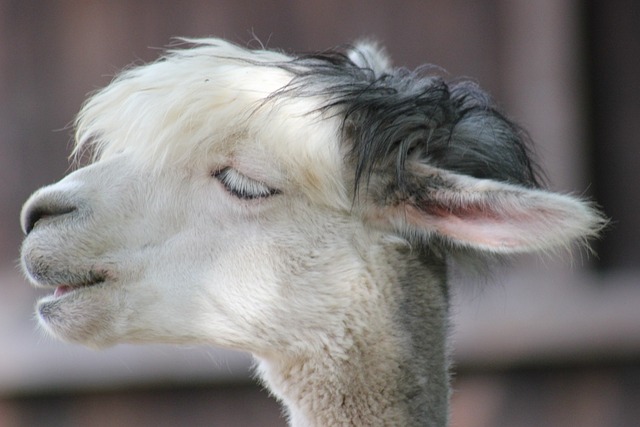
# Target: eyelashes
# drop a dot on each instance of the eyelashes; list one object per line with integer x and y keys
{"x": 242, "y": 187}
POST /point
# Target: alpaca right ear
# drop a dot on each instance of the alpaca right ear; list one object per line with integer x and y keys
{"x": 489, "y": 215}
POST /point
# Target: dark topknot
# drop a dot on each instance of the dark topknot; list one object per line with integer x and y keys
{"x": 452, "y": 125}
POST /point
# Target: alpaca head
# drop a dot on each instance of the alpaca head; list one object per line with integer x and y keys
{"x": 239, "y": 197}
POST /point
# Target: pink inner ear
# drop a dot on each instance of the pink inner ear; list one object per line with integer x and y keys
{"x": 505, "y": 227}
{"x": 473, "y": 225}
{"x": 491, "y": 234}
{"x": 469, "y": 211}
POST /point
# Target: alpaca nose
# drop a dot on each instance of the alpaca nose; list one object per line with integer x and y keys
{"x": 45, "y": 206}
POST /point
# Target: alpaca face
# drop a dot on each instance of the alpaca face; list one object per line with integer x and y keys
{"x": 243, "y": 198}
{"x": 196, "y": 226}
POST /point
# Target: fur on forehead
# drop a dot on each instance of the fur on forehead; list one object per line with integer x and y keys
{"x": 212, "y": 102}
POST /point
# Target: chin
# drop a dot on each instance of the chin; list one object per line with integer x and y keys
{"x": 84, "y": 316}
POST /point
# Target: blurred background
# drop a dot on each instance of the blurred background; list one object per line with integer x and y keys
{"x": 545, "y": 343}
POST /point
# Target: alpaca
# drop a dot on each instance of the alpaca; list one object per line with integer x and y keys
{"x": 300, "y": 208}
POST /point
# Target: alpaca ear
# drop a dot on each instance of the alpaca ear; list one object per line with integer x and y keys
{"x": 370, "y": 55}
{"x": 490, "y": 215}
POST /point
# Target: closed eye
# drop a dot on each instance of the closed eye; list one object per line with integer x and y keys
{"x": 242, "y": 187}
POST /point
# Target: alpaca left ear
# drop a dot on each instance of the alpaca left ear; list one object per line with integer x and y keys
{"x": 489, "y": 215}
{"x": 370, "y": 55}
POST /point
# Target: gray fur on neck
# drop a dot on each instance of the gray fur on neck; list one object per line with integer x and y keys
{"x": 393, "y": 373}
{"x": 424, "y": 314}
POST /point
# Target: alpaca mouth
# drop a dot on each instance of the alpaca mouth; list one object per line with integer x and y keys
{"x": 64, "y": 283}
{"x": 67, "y": 288}
{"x": 92, "y": 279}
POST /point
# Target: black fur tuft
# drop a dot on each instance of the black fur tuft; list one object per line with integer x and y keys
{"x": 452, "y": 125}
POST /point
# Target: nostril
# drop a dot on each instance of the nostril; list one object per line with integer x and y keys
{"x": 38, "y": 212}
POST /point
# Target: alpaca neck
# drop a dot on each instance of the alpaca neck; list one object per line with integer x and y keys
{"x": 393, "y": 371}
